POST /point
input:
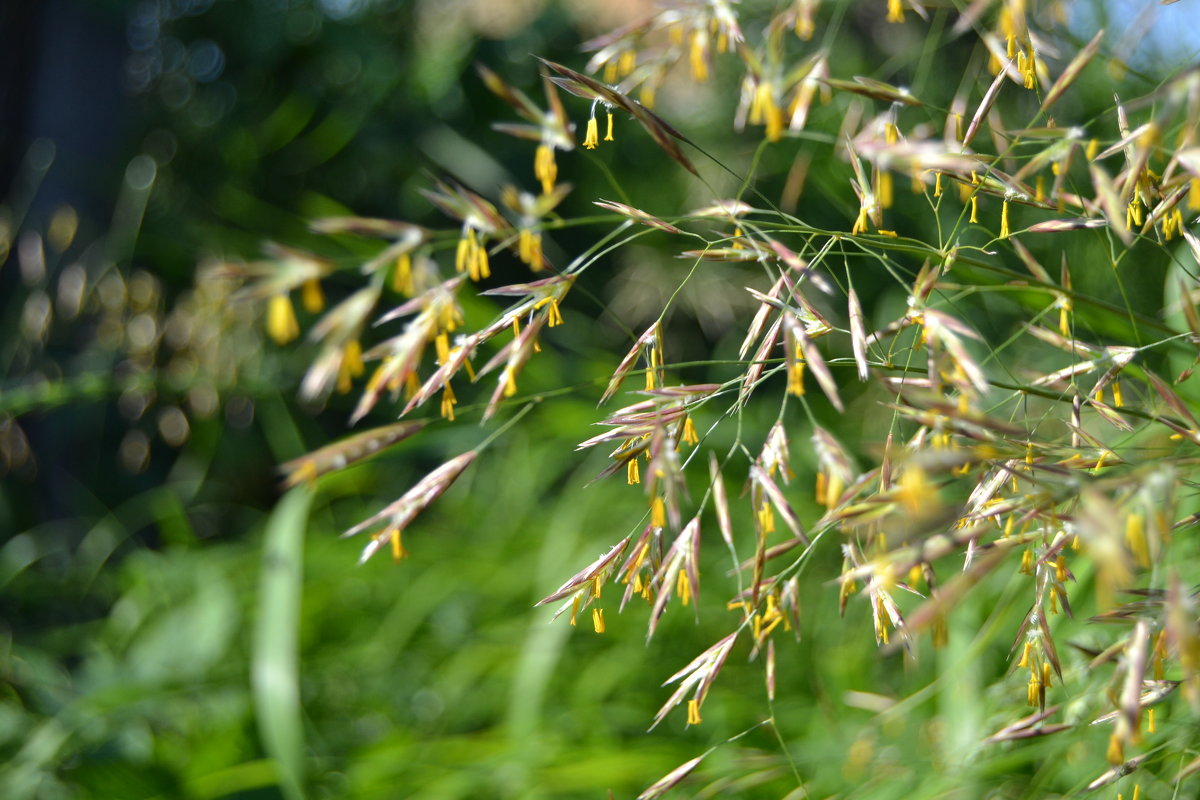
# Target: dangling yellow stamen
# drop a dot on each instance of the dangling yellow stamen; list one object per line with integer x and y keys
{"x": 860, "y": 224}
{"x": 764, "y": 111}
{"x": 1025, "y": 65}
{"x": 1168, "y": 226}
{"x": 608, "y": 137}
{"x": 766, "y": 518}
{"x": 593, "y": 134}
{"x": 646, "y": 95}
{"x": 1133, "y": 214}
{"x": 1039, "y": 193}
{"x": 1004, "y": 229}
{"x": 632, "y": 475}
{"x": 510, "y": 383}
{"x": 545, "y": 169}
{"x": 964, "y": 192}
{"x": 1117, "y": 400}
{"x": 626, "y": 62}
{"x": 598, "y": 619}
{"x": 412, "y": 385}
{"x": 974, "y": 208}
{"x": 466, "y": 363}
{"x": 804, "y": 23}
{"x": 895, "y": 11}
{"x": 658, "y": 513}
{"x": 461, "y": 253}
{"x": 448, "y": 401}
{"x": 575, "y": 610}
{"x": 281, "y": 319}
{"x": 449, "y": 317}
{"x": 796, "y": 378}
{"x": 480, "y": 268}
{"x": 882, "y": 625}
{"x": 402, "y": 277}
{"x": 683, "y": 587}
{"x": 699, "y": 56}
{"x": 529, "y": 249}
{"x": 1024, "y": 662}
{"x": 761, "y": 96}
{"x": 1150, "y": 726}
{"x": 637, "y": 564}
{"x": 311, "y": 296}
{"x": 399, "y": 551}
{"x": 937, "y": 185}
{"x": 1194, "y": 194}
{"x": 1135, "y": 537}
{"x": 774, "y": 123}
{"x": 441, "y": 344}
{"x": 1116, "y": 750}
{"x": 693, "y": 712}
{"x": 467, "y": 256}
{"x": 351, "y": 366}
{"x": 689, "y": 432}
{"x": 848, "y": 588}
{"x": 885, "y": 189}
{"x": 834, "y": 493}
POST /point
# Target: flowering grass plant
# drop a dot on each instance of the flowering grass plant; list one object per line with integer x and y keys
{"x": 962, "y": 359}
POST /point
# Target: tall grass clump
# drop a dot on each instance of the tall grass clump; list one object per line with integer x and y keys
{"x": 913, "y": 345}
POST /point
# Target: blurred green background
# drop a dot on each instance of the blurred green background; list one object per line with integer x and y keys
{"x": 147, "y": 565}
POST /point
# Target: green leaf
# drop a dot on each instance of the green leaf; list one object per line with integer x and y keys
{"x": 275, "y": 668}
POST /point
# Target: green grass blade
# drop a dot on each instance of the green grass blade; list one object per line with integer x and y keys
{"x": 275, "y": 670}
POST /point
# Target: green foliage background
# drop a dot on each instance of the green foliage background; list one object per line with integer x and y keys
{"x": 135, "y": 606}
